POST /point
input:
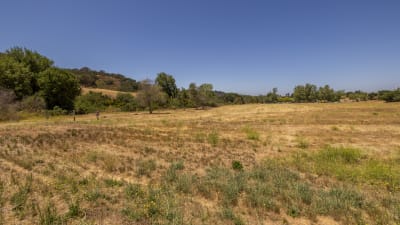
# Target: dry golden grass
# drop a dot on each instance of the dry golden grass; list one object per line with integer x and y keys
{"x": 107, "y": 92}
{"x": 119, "y": 168}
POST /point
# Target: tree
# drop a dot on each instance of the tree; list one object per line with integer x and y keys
{"x": 327, "y": 94}
{"x": 20, "y": 69}
{"x": 58, "y": 88}
{"x": 272, "y": 96}
{"x": 167, "y": 84}
{"x": 311, "y": 92}
{"x": 36, "y": 62}
{"x": 149, "y": 94}
{"x": 16, "y": 76}
{"x": 299, "y": 94}
{"x": 205, "y": 95}
{"x": 305, "y": 93}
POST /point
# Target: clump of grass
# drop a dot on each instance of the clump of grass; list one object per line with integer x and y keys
{"x": 213, "y": 138}
{"x": 339, "y": 155}
{"x": 302, "y": 143}
{"x": 134, "y": 191}
{"x": 237, "y": 165}
{"x": 145, "y": 167}
{"x": 178, "y": 165}
{"x": 19, "y": 198}
{"x": 94, "y": 194}
{"x": 251, "y": 133}
{"x": 113, "y": 183}
{"x": 340, "y": 203}
{"x": 335, "y": 128}
{"x": 184, "y": 183}
{"x": 228, "y": 214}
{"x": 154, "y": 206}
{"x": 50, "y": 216}
{"x": 74, "y": 210}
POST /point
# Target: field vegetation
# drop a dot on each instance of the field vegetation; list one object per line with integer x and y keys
{"x": 319, "y": 163}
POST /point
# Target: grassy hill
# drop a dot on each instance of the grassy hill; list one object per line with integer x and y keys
{"x": 246, "y": 164}
{"x": 103, "y": 80}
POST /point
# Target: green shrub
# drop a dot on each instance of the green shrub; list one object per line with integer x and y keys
{"x": 92, "y": 102}
{"x": 126, "y": 102}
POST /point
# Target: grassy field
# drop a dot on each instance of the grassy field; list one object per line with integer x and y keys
{"x": 250, "y": 164}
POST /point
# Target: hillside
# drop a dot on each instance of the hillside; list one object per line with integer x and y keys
{"x": 103, "y": 80}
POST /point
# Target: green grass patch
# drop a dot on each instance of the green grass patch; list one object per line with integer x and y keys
{"x": 350, "y": 164}
{"x": 251, "y": 133}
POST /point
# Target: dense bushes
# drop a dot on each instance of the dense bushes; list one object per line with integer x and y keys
{"x": 92, "y": 102}
{"x": 390, "y": 96}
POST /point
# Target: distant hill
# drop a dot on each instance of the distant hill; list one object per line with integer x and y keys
{"x": 103, "y": 80}
{"x": 108, "y": 92}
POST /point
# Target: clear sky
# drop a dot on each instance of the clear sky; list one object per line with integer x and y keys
{"x": 246, "y": 46}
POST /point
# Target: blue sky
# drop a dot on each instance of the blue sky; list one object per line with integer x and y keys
{"x": 246, "y": 46}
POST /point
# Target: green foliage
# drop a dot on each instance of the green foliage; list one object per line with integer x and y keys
{"x": 390, "y": 96}
{"x": 101, "y": 79}
{"x": 167, "y": 84}
{"x": 36, "y": 62}
{"x": 19, "y": 70}
{"x": 272, "y": 97}
{"x": 357, "y": 96}
{"x": 57, "y": 111}
{"x": 306, "y": 93}
{"x": 92, "y": 102}
{"x": 126, "y": 102}
{"x": 58, "y": 88}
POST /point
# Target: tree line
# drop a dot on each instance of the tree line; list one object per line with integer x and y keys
{"x": 30, "y": 82}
